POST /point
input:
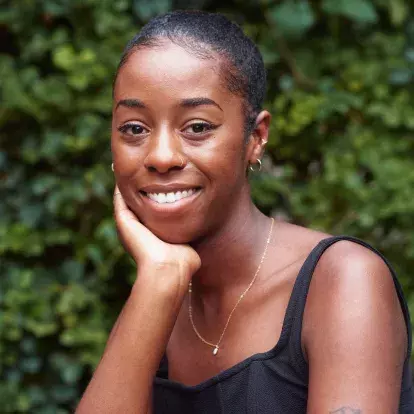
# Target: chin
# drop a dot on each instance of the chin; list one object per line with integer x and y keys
{"x": 173, "y": 233}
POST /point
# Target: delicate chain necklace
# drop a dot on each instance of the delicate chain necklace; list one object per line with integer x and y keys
{"x": 190, "y": 308}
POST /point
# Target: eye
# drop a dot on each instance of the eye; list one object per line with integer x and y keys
{"x": 132, "y": 129}
{"x": 199, "y": 128}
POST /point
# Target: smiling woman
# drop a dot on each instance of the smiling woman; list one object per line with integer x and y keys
{"x": 177, "y": 127}
{"x": 223, "y": 316}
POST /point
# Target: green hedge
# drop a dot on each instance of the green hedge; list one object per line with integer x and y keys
{"x": 340, "y": 158}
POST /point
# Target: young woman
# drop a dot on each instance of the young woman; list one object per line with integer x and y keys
{"x": 223, "y": 317}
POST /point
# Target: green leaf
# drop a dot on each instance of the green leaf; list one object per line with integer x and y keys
{"x": 36, "y": 395}
{"x": 64, "y": 57}
{"x": 147, "y": 9}
{"x": 399, "y": 11}
{"x": 361, "y": 11}
{"x": 291, "y": 17}
{"x": 401, "y": 76}
{"x": 63, "y": 393}
{"x": 31, "y": 365}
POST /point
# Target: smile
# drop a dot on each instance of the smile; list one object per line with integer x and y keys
{"x": 171, "y": 197}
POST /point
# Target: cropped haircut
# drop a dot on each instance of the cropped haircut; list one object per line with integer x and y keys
{"x": 206, "y": 36}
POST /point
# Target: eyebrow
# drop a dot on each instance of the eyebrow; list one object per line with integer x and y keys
{"x": 130, "y": 103}
{"x": 186, "y": 103}
{"x": 193, "y": 102}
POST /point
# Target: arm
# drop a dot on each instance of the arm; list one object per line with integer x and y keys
{"x": 123, "y": 379}
{"x": 122, "y": 382}
{"x": 354, "y": 334}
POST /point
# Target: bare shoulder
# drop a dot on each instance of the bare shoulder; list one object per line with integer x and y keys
{"x": 353, "y": 334}
{"x": 352, "y": 295}
{"x": 347, "y": 266}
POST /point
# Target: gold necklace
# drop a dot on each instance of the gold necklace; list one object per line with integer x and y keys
{"x": 190, "y": 308}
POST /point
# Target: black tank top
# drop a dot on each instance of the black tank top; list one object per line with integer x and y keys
{"x": 273, "y": 382}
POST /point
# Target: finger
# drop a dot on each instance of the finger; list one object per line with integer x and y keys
{"x": 119, "y": 202}
{"x": 121, "y": 210}
{"x": 131, "y": 231}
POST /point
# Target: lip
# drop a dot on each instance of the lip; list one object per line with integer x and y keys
{"x": 179, "y": 206}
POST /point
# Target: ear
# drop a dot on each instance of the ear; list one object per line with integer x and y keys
{"x": 258, "y": 138}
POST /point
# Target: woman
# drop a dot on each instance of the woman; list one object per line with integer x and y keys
{"x": 222, "y": 317}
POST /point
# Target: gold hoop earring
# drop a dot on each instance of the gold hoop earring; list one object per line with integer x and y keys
{"x": 260, "y": 166}
{"x": 112, "y": 167}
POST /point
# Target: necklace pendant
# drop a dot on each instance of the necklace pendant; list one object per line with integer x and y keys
{"x": 215, "y": 350}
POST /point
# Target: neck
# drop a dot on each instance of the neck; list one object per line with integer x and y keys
{"x": 230, "y": 257}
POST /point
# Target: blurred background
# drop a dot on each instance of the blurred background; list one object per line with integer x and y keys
{"x": 340, "y": 159}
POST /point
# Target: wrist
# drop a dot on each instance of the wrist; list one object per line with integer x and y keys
{"x": 162, "y": 281}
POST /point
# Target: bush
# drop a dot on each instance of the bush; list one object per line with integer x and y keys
{"x": 340, "y": 158}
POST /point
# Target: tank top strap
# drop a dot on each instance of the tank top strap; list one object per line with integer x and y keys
{"x": 297, "y": 302}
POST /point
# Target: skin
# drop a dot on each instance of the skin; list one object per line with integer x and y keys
{"x": 355, "y": 350}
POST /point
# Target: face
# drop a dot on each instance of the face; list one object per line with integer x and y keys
{"x": 178, "y": 143}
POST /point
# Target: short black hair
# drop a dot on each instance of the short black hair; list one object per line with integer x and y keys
{"x": 205, "y": 35}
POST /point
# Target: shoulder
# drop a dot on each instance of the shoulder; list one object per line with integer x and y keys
{"x": 352, "y": 297}
{"x": 354, "y": 335}
{"x": 349, "y": 269}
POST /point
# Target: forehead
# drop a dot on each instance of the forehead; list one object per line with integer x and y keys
{"x": 170, "y": 72}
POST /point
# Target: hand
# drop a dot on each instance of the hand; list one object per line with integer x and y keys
{"x": 148, "y": 251}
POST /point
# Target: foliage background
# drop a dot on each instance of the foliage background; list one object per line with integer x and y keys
{"x": 340, "y": 158}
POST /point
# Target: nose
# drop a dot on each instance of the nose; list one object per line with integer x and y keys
{"x": 164, "y": 153}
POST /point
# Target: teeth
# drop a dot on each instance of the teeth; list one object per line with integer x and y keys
{"x": 163, "y": 198}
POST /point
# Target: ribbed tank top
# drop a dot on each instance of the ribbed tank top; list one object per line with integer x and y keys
{"x": 273, "y": 382}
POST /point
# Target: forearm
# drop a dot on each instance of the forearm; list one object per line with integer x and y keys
{"x": 123, "y": 379}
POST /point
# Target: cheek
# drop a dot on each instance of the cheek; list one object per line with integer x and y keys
{"x": 128, "y": 162}
{"x": 222, "y": 161}
{"x": 127, "y": 157}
